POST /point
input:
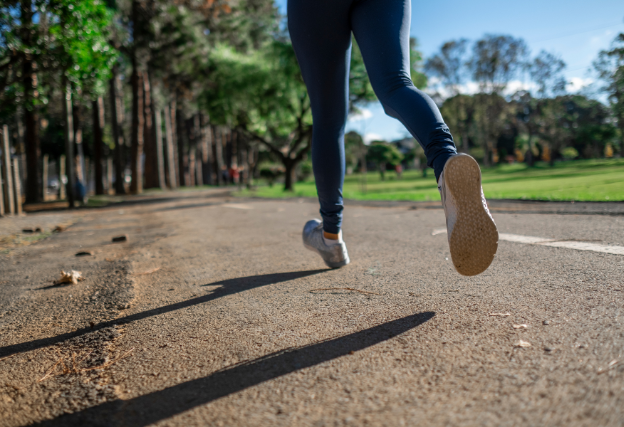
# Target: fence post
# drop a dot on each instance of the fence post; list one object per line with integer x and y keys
{"x": 6, "y": 171}
{"x": 17, "y": 187}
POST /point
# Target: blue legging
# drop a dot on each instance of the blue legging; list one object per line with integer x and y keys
{"x": 321, "y": 35}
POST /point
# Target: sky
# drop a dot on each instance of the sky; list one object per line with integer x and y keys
{"x": 575, "y": 30}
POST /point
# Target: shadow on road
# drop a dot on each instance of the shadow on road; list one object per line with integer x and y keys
{"x": 227, "y": 287}
{"x": 163, "y": 404}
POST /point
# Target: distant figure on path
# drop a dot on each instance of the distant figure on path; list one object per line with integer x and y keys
{"x": 321, "y": 35}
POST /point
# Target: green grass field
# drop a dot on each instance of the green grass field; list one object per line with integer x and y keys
{"x": 580, "y": 180}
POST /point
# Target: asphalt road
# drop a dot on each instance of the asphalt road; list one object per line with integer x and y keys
{"x": 213, "y": 313}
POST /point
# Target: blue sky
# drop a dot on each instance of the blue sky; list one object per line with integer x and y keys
{"x": 573, "y": 29}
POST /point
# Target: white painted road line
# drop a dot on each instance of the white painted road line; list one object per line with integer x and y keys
{"x": 541, "y": 241}
{"x": 236, "y": 206}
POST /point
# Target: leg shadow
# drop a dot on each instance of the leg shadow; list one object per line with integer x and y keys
{"x": 163, "y": 404}
{"x": 228, "y": 287}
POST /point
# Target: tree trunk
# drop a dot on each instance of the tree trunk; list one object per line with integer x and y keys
{"x": 192, "y": 135}
{"x": 116, "y": 121}
{"x": 109, "y": 175}
{"x": 17, "y": 187}
{"x": 171, "y": 163}
{"x": 62, "y": 178}
{"x": 136, "y": 185}
{"x": 289, "y": 177}
{"x": 182, "y": 156}
{"x": 44, "y": 179}
{"x": 98, "y": 144}
{"x": 218, "y": 154}
{"x": 33, "y": 151}
{"x": 160, "y": 160}
{"x": 7, "y": 177}
{"x": 191, "y": 167}
{"x": 176, "y": 141}
{"x": 151, "y": 155}
{"x": 466, "y": 142}
{"x": 79, "y": 160}
{"x": 31, "y": 121}
{"x": 206, "y": 150}
{"x": 69, "y": 148}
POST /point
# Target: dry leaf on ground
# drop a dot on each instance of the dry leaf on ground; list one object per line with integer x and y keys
{"x": 500, "y": 314}
{"x": 610, "y": 366}
{"x": 522, "y": 344}
{"x": 69, "y": 277}
{"x": 522, "y": 326}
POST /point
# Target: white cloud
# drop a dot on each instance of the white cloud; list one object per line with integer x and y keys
{"x": 577, "y": 83}
{"x": 516, "y": 85}
{"x": 370, "y": 137}
{"x": 363, "y": 114}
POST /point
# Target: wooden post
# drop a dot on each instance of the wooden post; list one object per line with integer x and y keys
{"x": 17, "y": 187}
{"x": 62, "y": 178}
{"x": 6, "y": 171}
{"x": 160, "y": 160}
{"x": 46, "y": 163}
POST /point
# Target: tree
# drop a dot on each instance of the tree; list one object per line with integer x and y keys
{"x": 545, "y": 70}
{"x": 59, "y": 42}
{"x": 384, "y": 154}
{"x": 448, "y": 66}
{"x": 610, "y": 68}
{"x": 355, "y": 150}
{"x": 459, "y": 112}
{"x": 495, "y": 60}
{"x": 262, "y": 95}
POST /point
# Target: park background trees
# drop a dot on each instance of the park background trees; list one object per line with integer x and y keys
{"x": 122, "y": 95}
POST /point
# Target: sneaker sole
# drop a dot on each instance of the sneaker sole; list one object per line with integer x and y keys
{"x": 327, "y": 263}
{"x": 474, "y": 240}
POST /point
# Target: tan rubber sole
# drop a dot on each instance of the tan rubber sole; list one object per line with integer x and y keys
{"x": 474, "y": 240}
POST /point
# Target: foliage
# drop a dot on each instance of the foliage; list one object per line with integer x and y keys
{"x": 354, "y": 149}
{"x": 610, "y": 68}
{"x": 262, "y": 94}
{"x": 383, "y": 154}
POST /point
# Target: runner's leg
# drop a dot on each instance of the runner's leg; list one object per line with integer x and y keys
{"x": 321, "y": 35}
{"x": 381, "y": 28}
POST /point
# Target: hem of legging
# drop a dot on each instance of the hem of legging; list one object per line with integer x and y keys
{"x": 331, "y": 228}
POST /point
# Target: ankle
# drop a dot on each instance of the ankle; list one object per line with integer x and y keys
{"x": 331, "y": 236}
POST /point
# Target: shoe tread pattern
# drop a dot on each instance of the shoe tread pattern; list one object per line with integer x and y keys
{"x": 474, "y": 239}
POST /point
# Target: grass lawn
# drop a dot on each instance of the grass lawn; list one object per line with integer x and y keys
{"x": 581, "y": 180}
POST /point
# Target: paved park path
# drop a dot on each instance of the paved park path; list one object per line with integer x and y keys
{"x": 213, "y": 314}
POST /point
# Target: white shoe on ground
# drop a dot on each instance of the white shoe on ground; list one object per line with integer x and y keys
{"x": 334, "y": 254}
{"x": 472, "y": 233}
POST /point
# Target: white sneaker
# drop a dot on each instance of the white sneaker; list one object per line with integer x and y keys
{"x": 335, "y": 254}
{"x": 472, "y": 233}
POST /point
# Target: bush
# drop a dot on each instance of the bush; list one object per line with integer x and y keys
{"x": 569, "y": 153}
{"x": 270, "y": 173}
